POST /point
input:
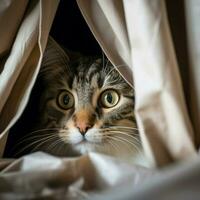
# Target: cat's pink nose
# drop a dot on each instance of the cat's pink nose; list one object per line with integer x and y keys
{"x": 83, "y": 127}
{"x": 84, "y": 119}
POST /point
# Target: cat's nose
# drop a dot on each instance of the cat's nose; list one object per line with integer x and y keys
{"x": 84, "y": 119}
{"x": 83, "y": 127}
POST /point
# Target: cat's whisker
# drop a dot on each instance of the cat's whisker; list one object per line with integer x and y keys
{"x": 32, "y": 143}
{"x": 62, "y": 147}
{"x": 63, "y": 133}
{"x": 135, "y": 137}
{"x": 29, "y": 138}
{"x": 106, "y": 66}
{"x": 43, "y": 130}
{"x": 32, "y": 137}
{"x": 121, "y": 131}
{"x": 125, "y": 141}
{"x": 112, "y": 82}
{"x": 66, "y": 139}
{"x": 40, "y": 130}
{"x": 123, "y": 65}
{"x": 113, "y": 133}
{"x": 126, "y": 133}
{"x": 125, "y": 127}
{"x": 134, "y": 143}
{"x": 116, "y": 80}
{"x": 107, "y": 76}
{"x": 44, "y": 138}
{"x": 54, "y": 144}
{"x": 109, "y": 72}
{"x": 107, "y": 146}
{"x": 130, "y": 139}
{"x": 43, "y": 142}
{"x": 114, "y": 145}
{"x": 115, "y": 67}
{"x": 131, "y": 131}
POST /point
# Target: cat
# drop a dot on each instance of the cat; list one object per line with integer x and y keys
{"x": 79, "y": 104}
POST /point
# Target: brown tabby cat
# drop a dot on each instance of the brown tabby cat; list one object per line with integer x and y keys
{"x": 80, "y": 106}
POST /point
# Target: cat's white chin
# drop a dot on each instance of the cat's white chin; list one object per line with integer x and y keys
{"x": 92, "y": 141}
{"x": 84, "y": 143}
{"x": 85, "y": 147}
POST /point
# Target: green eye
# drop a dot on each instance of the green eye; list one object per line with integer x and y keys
{"x": 65, "y": 100}
{"x": 109, "y": 98}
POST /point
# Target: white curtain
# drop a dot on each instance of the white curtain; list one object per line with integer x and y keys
{"x": 24, "y": 31}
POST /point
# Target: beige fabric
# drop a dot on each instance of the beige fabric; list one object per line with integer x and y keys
{"x": 10, "y": 22}
{"x": 136, "y": 33}
{"x": 41, "y": 176}
{"x": 22, "y": 46}
{"x": 95, "y": 177}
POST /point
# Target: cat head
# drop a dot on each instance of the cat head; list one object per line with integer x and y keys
{"x": 86, "y": 105}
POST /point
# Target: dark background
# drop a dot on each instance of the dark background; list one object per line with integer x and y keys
{"x": 70, "y": 29}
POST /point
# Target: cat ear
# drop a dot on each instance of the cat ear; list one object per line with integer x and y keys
{"x": 72, "y": 55}
{"x": 54, "y": 54}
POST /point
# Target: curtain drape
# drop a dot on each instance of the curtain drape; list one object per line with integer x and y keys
{"x": 26, "y": 25}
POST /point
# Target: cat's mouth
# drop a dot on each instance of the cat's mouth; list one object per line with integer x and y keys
{"x": 91, "y": 141}
{"x": 91, "y": 137}
{"x": 86, "y": 141}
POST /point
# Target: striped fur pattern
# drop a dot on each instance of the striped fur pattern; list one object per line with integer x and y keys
{"x": 85, "y": 122}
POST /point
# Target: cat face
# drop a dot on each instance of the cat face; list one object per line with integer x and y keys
{"x": 87, "y": 106}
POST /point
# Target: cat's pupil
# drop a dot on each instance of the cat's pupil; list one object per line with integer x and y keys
{"x": 109, "y": 98}
{"x": 66, "y": 99}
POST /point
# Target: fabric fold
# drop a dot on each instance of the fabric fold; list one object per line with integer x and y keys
{"x": 22, "y": 64}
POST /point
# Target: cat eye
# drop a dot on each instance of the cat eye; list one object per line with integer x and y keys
{"x": 109, "y": 98}
{"x": 65, "y": 100}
